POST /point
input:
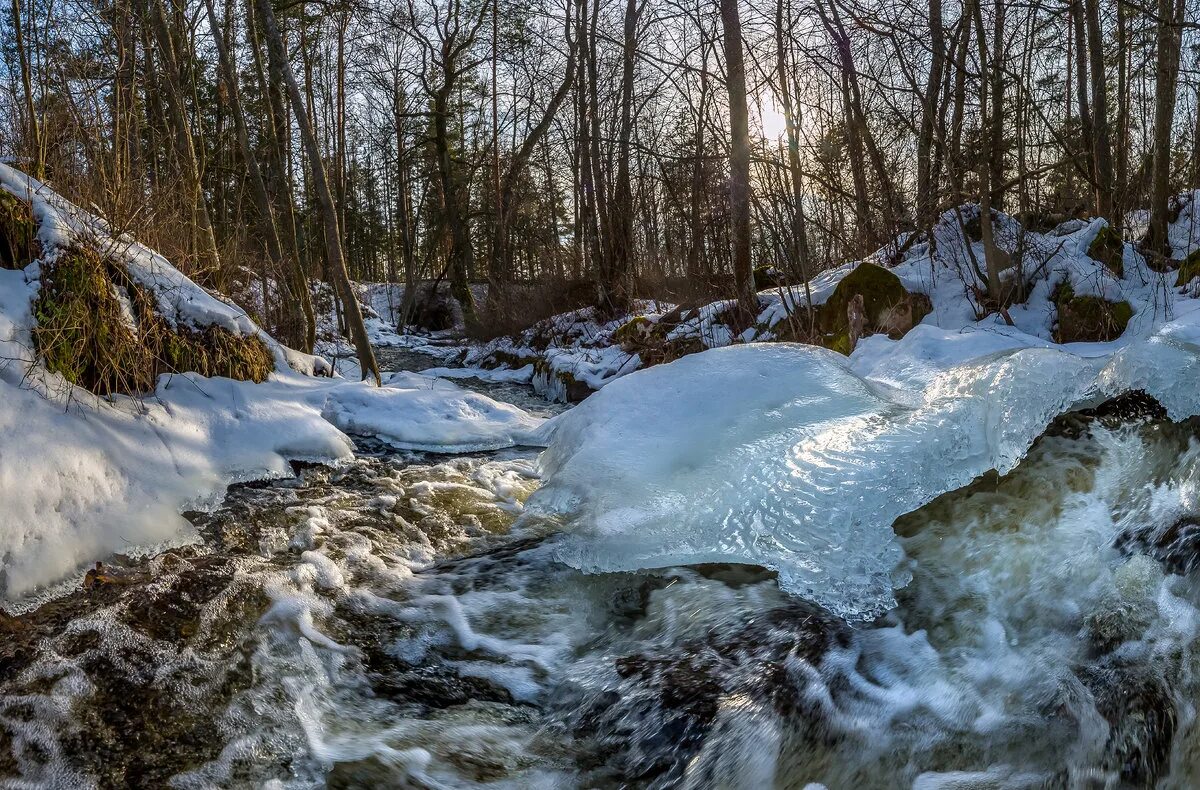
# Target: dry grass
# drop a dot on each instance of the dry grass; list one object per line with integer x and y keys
{"x": 101, "y": 331}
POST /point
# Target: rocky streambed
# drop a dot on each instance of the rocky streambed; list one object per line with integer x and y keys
{"x": 395, "y": 623}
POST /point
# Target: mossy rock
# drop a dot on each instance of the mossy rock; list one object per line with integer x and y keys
{"x": 634, "y": 332}
{"x": 1109, "y": 248}
{"x": 101, "y": 331}
{"x": 18, "y": 232}
{"x": 573, "y": 390}
{"x": 1089, "y": 318}
{"x": 506, "y": 359}
{"x": 1188, "y": 270}
{"x": 889, "y": 308}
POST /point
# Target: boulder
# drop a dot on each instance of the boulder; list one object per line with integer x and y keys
{"x": 648, "y": 727}
{"x": 102, "y": 331}
{"x": 878, "y": 298}
{"x": 1088, "y": 318}
{"x": 1189, "y": 269}
{"x": 1109, "y": 248}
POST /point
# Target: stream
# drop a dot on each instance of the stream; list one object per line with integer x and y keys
{"x": 391, "y": 623}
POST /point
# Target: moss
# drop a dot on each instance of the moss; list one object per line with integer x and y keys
{"x": 1188, "y": 270}
{"x": 1088, "y": 318}
{"x": 573, "y": 390}
{"x": 1109, "y": 248}
{"x": 633, "y": 332}
{"x": 880, "y": 289}
{"x": 18, "y": 232}
{"x": 85, "y": 332}
{"x": 498, "y": 359}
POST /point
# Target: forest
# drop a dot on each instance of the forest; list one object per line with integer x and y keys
{"x": 568, "y": 153}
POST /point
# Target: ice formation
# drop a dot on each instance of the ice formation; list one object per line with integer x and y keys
{"x": 783, "y": 456}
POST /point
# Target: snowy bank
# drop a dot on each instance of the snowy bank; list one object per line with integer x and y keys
{"x": 82, "y": 476}
{"x": 1078, "y": 285}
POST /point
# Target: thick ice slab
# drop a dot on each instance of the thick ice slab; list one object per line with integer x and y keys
{"x": 779, "y": 455}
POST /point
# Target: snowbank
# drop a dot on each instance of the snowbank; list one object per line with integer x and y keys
{"x": 82, "y": 477}
{"x": 416, "y": 412}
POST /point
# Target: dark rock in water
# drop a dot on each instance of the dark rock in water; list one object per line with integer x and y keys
{"x": 1130, "y": 408}
{"x": 1177, "y": 546}
{"x": 365, "y": 774}
{"x": 10, "y": 624}
{"x": 648, "y": 726}
{"x": 1142, "y": 717}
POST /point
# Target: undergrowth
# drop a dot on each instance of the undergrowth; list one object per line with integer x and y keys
{"x": 101, "y": 331}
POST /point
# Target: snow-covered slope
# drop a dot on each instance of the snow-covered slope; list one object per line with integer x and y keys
{"x": 82, "y": 477}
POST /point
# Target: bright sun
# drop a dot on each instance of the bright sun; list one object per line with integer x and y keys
{"x": 774, "y": 125}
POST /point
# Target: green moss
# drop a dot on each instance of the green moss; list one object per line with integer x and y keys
{"x": 1089, "y": 318}
{"x": 880, "y": 289}
{"x": 1109, "y": 248}
{"x": 18, "y": 232}
{"x": 573, "y": 389}
{"x": 1188, "y": 270}
{"x": 634, "y": 331}
{"x": 85, "y": 333}
{"x": 507, "y": 359}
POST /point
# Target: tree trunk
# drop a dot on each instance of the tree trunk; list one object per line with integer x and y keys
{"x": 35, "y": 136}
{"x": 1102, "y": 165}
{"x": 739, "y": 159}
{"x": 333, "y": 241}
{"x": 205, "y": 240}
{"x": 927, "y": 177}
{"x": 1166, "y": 79}
{"x": 303, "y": 325}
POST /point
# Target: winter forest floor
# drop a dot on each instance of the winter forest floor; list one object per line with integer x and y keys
{"x": 932, "y": 544}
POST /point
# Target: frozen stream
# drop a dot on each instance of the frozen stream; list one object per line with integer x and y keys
{"x": 385, "y": 625}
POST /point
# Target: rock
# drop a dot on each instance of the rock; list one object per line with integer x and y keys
{"x": 653, "y": 721}
{"x": 548, "y": 381}
{"x": 84, "y": 331}
{"x": 634, "y": 333}
{"x": 1109, "y": 248}
{"x": 10, "y": 624}
{"x": 1188, "y": 270}
{"x": 1142, "y": 717}
{"x": 1088, "y": 318}
{"x": 769, "y": 276}
{"x": 886, "y": 307}
{"x": 1177, "y": 546}
{"x": 370, "y": 772}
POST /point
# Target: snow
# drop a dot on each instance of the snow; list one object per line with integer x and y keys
{"x": 416, "y": 412}
{"x": 83, "y": 477}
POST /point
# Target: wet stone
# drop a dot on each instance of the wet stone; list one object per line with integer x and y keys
{"x": 647, "y": 727}
{"x": 1177, "y": 546}
{"x": 1143, "y": 720}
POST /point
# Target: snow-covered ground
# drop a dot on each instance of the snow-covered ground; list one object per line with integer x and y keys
{"x": 82, "y": 477}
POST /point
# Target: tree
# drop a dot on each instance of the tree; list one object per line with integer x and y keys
{"x": 333, "y": 235}
{"x": 739, "y": 158}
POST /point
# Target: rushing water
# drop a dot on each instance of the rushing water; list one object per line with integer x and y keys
{"x": 390, "y": 623}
